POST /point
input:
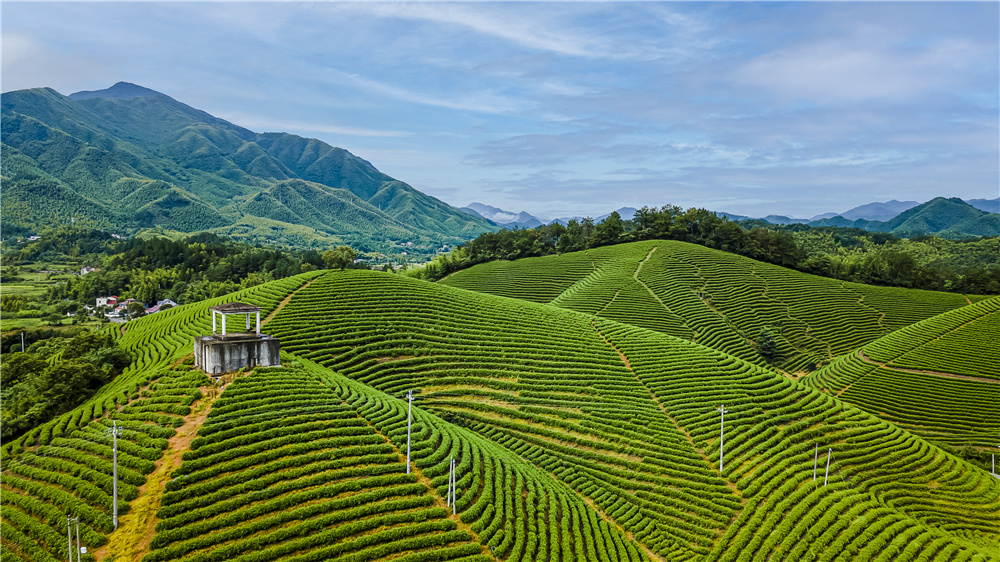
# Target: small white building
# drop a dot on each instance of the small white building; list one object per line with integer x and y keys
{"x": 225, "y": 351}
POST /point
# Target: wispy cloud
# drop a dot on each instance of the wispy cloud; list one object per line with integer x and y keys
{"x": 573, "y": 108}
{"x": 264, "y": 124}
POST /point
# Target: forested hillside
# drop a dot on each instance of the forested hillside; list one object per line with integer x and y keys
{"x": 128, "y": 158}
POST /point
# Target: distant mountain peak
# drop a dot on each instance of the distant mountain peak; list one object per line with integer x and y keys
{"x": 503, "y": 217}
{"x": 120, "y": 91}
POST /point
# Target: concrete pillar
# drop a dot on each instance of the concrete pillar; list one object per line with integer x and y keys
{"x": 258, "y": 322}
{"x": 248, "y": 322}
{"x": 214, "y": 331}
{"x": 223, "y": 322}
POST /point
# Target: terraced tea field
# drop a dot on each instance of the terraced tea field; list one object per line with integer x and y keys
{"x": 576, "y": 437}
{"x": 713, "y": 298}
{"x": 939, "y": 378}
{"x": 626, "y": 419}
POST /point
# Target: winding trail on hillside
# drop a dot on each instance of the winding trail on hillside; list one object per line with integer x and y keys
{"x": 137, "y": 527}
{"x": 286, "y": 300}
{"x": 635, "y": 275}
{"x": 869, "y": 360}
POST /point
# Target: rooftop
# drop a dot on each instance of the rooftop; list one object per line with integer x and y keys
{"x": 236, "y": 308}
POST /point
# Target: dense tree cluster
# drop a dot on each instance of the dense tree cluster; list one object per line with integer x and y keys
{"x": 849, "y": 254}
{"x": 54, "y": 375}
{"x": 150, "y": 269}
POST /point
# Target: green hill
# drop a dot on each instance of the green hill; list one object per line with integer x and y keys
{"x": 938, "y": 378}
{"x": 714, "y": 298}
{"x": 577, "y": 438}
{"x": 128, "y": 158}
{"x": 947, "y": 218}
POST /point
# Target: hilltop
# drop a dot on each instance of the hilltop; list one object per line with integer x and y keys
{"x": 944, "y": 217}
{"x": 714, "y": 298}
{"x": 130, "y": 158}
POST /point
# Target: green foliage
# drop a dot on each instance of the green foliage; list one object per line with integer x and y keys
{"x": 340, "y": 258}
{"x": 626, "y": 418}
{"x": 848, "y": 254}
{"x": 53, "y": 376}
{"x": 150, "y": 162}
{"x": 713, "y": 298}
{"x": 767, "y": 344}
{"x": 935, "y": 377}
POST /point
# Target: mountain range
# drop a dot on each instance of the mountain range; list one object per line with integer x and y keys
{"x": 511, "y": 219}
{"x": 949, "y": 218}
{"x": 128, "y": 158}
{"x": 945, "y": 217}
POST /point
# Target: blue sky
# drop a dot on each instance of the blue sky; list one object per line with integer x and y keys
{"x": 573, "y": 108}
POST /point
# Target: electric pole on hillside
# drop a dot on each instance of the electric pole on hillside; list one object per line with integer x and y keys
{"x": 452, "y": 494}
{"x": 722, "y": 432}
{"x": 409, "y": 426}
{"x": 827, "y": 475}
{"x": 69, "y": 537}
{"x": 115, "y": 430}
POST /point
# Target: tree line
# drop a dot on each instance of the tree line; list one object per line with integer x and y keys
{"x": 850, "y": 254}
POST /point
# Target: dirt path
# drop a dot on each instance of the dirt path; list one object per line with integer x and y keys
{"x": 137, "y": 527}
{"x": 635, "y": 275}
{"x": 286, "y": 300}
{"x": 869, "y": 360}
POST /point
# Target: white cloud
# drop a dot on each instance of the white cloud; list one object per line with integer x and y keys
{"x": 265, "y": 124}
{"x": 852, "y": 69}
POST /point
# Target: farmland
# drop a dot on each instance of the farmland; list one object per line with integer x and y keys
{"x": 938, "y": 378}
{"x": 713, "y": 298}
{"x": 577, "y": 435}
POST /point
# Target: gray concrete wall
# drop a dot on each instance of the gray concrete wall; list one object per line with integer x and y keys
{"x": 216, "y": 356}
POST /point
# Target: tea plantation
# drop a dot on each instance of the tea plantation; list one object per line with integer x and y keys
{"x": 939, "y": 378}
{"x": 576, "y": 436}
{"x": 714, "y": 298}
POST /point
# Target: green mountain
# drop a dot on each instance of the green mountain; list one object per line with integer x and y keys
{"x": 128, "y": 158}
{"x": 947, "y": 218}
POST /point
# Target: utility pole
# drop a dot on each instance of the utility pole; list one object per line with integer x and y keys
{"x": 22, "y": 341}
{"x": 78, "y": 550}
{"x": 827, "y": 475}
{"x": 452, "y": 495}
{"x": 69, "y": 539}
{"x": 447, "y": 495}
{"x": 409, "y": 426}
{"x": 115, "y": 430}
{"x": 722, "y": 433}
{"x": 815, "y": 462}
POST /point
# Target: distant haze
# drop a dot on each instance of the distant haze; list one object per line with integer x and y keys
{"x": 573, "y": 109}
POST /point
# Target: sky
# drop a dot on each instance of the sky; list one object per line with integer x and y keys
{"x": 560, "y": 108}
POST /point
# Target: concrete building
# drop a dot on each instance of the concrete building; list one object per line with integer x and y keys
{"x": 229, "y": 351}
